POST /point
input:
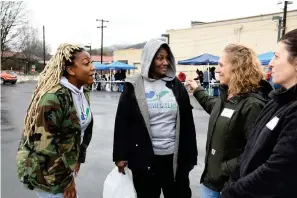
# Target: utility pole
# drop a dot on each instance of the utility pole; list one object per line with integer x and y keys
{"x": 43, "y": 46}
{"x": 102, "y": 26}
{"x": 90, "y": 47}
{"x": 286, "y": 3}
{"x": 285, "y": 18}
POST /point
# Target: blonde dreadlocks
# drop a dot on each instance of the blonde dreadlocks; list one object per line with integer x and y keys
{"x": 48, "y": 78}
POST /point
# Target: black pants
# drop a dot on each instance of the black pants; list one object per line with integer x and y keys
{"x": 149, "y": 183}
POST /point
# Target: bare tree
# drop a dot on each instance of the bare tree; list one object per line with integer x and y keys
{"x": 12, "y": 17}
{"x": 31, "y": 46}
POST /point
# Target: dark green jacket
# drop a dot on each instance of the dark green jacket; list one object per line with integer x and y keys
{"x": 229, "y": 126}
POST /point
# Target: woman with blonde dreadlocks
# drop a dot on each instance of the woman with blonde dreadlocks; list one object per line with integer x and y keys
{"x": 58, "y": 125}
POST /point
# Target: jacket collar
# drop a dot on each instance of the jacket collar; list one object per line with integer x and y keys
{"x": 262, "y": 93}
{"x": 284, "y": 95}
{"x": 224, "y": 95}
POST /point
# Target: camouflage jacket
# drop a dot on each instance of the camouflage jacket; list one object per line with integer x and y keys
{"x": 48, "y": 159}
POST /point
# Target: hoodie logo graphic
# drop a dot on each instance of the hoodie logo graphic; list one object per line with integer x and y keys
{"x": 154, "y": 101}
{"x": 151, "y": 96}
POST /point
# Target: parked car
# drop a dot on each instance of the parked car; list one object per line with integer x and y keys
{"x": 8, "y": 76}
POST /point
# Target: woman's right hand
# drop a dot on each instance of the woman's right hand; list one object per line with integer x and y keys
{"x": 70, "y": 191}
{"x": 121, "y": 166}
{"x": 192, "y": 83}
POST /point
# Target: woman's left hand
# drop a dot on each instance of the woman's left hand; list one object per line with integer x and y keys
{"x": 76, "y": 168}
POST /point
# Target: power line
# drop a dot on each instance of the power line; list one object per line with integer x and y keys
{"x": 102, "y": 26}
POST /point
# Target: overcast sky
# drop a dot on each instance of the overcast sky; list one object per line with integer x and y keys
{"x": 133, "y": 21}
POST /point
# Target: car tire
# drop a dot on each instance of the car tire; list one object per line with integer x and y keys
{"x": 13, "y": 82}
{"x": 2, "y": 82}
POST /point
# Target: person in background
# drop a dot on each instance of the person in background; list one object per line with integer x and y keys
{"x": 182, "y": 77}
{"x": 268, "y": 75}
{"x": 268, "y": 165}
{"x": 123, "y": 73}
{"x": 58, "y": 125}
{"x": 154, "y": 131}
{"x": 104, "y": 78}
{"x": 212, "y": 73}
{"x": 206, "y": 79}
{"x": 199, "y": 76}
{"x": 118, "y": 75}
{"x": 243, "y": 94}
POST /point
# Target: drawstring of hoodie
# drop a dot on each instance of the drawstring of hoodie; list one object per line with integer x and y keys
{"x": 82, "y": 109}
{"x": 78, "y": 92}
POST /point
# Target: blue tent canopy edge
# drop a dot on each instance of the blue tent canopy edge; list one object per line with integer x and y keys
{"x": 203, "y": 59}
{"x": 265, "y": 58}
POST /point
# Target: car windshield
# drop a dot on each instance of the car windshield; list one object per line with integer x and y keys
{"x": 10, "y": 72}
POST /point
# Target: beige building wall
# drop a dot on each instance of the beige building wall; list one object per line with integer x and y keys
{"x": 258, "y": 32}
{"x": 132, "y": 56}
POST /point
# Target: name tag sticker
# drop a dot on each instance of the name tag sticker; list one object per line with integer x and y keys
{"x": 272, "y": 123}
{"x": 227, "y": 113}
{"x": 213, "y": 152}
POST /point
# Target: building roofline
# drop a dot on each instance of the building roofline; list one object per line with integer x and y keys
{"x": 126, "y": 49}
{"x": 241, "y": 18}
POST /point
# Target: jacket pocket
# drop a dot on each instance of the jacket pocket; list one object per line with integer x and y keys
{"x": 214, "y": 166}
{"x": 228, "y": 167}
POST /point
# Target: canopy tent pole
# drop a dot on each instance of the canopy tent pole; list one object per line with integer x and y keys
{"x": 110, "y": 79}
{"x": 208, "y": 79}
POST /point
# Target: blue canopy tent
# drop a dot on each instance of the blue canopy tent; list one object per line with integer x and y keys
{"x": 120, "y": 66}
{"x": 203, "y": 59}
{"x": 99, "y": 66}
{"x": 265, "y": 58}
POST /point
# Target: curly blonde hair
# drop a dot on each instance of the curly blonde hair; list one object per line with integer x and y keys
{"x": 246, "y": 69}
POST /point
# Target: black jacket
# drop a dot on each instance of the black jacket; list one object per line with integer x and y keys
{"x": 268, "y": 166}
{"x": 228, "y": 130}
{"x": 131, "y": 138}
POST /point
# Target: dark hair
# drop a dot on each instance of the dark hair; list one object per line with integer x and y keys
{"x": 72, "y": 58}
{"x": 290, "y": 39}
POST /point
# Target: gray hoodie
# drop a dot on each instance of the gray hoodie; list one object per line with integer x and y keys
{"x": 140, "y": 82}
{"x": 147, "y": 56}
{"x": 162, "y": 105}
{"x": 81, "y": 104}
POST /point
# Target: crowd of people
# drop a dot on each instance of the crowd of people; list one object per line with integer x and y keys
{"x": 251, "y": 148}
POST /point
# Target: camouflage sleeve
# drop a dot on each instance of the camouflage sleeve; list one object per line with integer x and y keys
{"x": 48, "y": 141}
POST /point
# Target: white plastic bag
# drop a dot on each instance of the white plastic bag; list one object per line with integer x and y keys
{"x": 118, "y": 185}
